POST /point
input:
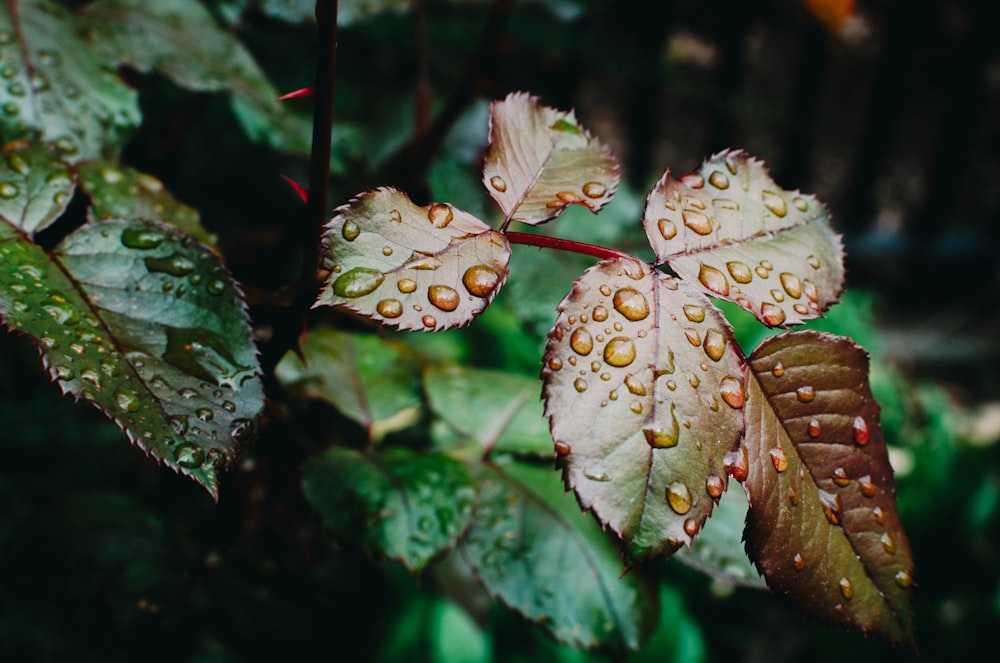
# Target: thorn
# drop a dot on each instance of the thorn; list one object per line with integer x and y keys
{"x": 299, "y": 189}
{"x": 297, "y": 94}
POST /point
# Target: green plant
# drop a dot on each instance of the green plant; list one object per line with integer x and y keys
{"x": 648, "y": 394}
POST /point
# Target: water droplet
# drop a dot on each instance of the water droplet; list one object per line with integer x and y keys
{"x": 715, "y": 344}
{"x": 636, "y": 407}
{"x": 357, "y": 282}
{"x": 740, "y": 271}
{"x": 777, "y": 295}
{"x": 631, "y": 304}
{"x": 189, "y": 455}
{"x": 887, "y": 543}
{"x": 778, "y": 459}
{"x": 555, "y": 364}
{"x": 694, "y": 313}
{"x": 440, "y": 215}
{"x": 594, "y": 189}
{"x": 737, "y": 463}
{"x": 142, "y": 238}
{"x": 693, "y": 180}
{"x": 241, "y": 429}
{"x": 697, "y": 221}
{"x": 775, "y": 203}
{"x": 390, "y": 308}
{"x": 580, "y": 385}
{"x": 9, "y": 190}
{"x": 64, "y": 372}
{"x": 679, "y": 498}
{"x": 860, "y": 430}
{"x": 813, "y": 262}
{"x": 668, "y": 230}
{"x": 714, "y": 280}
{"x": 600, "y": 314}
{"x": 771, "y": 314}
{"x": 878, "y": 515}
{"x": 731, "y": 390}
{"x": 846, "y": 589}
{"x": 229, "y": 406}
{"x": 791, "y": 284}
{"x": 903, "y": 579}
{"x": 714, "y": 486}
{"x": 831, "y": 506}
{"x": 619, "y": 352}
{"x": 187, "y": 393}
{"x": 692, "y": 336}
{"x": 814, "y": 429}
{"x": 581, "y": 341}
{"x": 562, "y": 448}
{"x": 809, "y": 288}
{"x": 596, "y": 475}
{"x": 718, "y": 180}
{"x": 405, "y": 286}
{"x": 840, "y": 477}
{"x": 778, "y": 370}
{"x": 429, "y": 321}
{"x": 805, "y": 394}
{"x": 663, "y": 437}
{"x": 350, "y": 231}
{"x": 443, "y": 297}
{"x": 867, "y": 486}
{"x": 497, "y": 183}
{"x": 793, "y": 494}
{"x": 801, "y": 309}
{"x": 175, "y": 264}
{"x": 480, "y": 280}
{"x": 204, "y": 414}
{"x": 798, "y": 562}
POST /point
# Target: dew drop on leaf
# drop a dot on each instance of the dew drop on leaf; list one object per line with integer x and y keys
{"x": 390, "y": 308}
{"x": 714, "y": 280}
{"x": 406, "y": 286}
{"x": 562, "y": 448}
{"x": 714, "y": 486}
{"x": 694, "y": 313}
{"x": 903, "y": 579}
{"x": 840, "y": 477}
{"x": 805, "y": 394}
{"x": 715, "y": 344}
{"x": 731, "y": 390}
{"x": 778, "y": 370}
{"x": 867, "y": 486}
{"x": 667, "y": 228}
{"x": 814, "y": 429}
{"x": 358, "y": 282}
{"x": 580, "y": 385}
{"x": 440, "y": 215}
{"x": 740, "y": 271}
{"x": 581, "y": 341}
{"x": 480, "y": 280}
{"x": 141, "y": 238}
{"x": 791, "y": 284}
{"x": 600, "y": 314}
{"x": 429, "y": 321}
{"x": 189, "y": 455}
{"x": 798, "y": 562}
{"x": 775, "y": 203}
{"x": 497, "y": 183}
{"x": 846, "y": 589}
{"x": 127, "y": 400}
{"x": 631, "y": 304}
{"x": 663, "y": 438}
{"x": 350, "y": 231}
{"x": 619, "y": 352}
{"x": 443, "y": 297}
{"x": 594, "y": 189}
{"x": 679, "y": 498}
{"x": 771, "y": 314}
{"x": 860, "y": 431}
{"x": 778, "y": 459}
{"x": 697, "y": 221}
{"x": 737, "y": 463}
{"x": 831, "y": 506}
{"x": 718, "y": 180}
{"x": 634, "y": 385}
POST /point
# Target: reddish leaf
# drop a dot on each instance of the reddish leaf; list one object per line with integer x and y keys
{"x": 823, "y": 526}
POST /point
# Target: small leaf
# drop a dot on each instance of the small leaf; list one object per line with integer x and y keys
{"x": 58, "y": 89}
{"x": 499, "y": 410}
{"x": 540, "y": 160}
{"x": 144, "y": 323}
{"x": 731, "y": 231}
{"x": 394, "y": 503}
{"x": 535, "y": 553}
{"x": 430, "y": 268}
{"x": 122, "y": 192}
{"x": 35, "y": 187}
{"x": 823, "y": 526}
{"x": 643, "y": 388}
{"x": 370, "y": 380}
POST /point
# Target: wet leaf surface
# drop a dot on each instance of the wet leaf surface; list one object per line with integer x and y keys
{"x": 644, "y": 391}
{"x": 393, "y": 503}
{"x": 823, "y": 526}
{"x": 429, "y": 268}
{"x": 370, "y": 380}
{"x": 731, "y": 231}
{"x": 540, "y": 160}
{"x": 533, "y": 551}
{"x": 35, "y": 187}
{"x": 57, "y": 89}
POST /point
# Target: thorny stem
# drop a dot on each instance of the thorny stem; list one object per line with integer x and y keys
{"x": 546, "y": 242}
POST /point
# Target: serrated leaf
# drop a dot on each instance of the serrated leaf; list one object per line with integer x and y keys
{"x": 58, "y": 89}
{"x": 144, "y": 323}
{"x": 430, "y": 268}
{"x": 823, "y": 526}
{"x": 540, "y": 160}
{"x": 500, "y": 410}
{"x": 644, "y": 392}
{"x": 35, "y": 187}
{"x": 121, "y": 192}
{"x": 535, "y": 553}
{"x": 731, "y": 231}
{"x": 393, "y": 503}
{"x": 370, "y": 380}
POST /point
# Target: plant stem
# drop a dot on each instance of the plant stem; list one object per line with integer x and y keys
{"x": 546, "y": 242}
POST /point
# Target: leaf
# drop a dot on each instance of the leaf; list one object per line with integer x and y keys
{"x": 406, "y": 506}
{"x": 58, "y": 90}
{"x": 121, "y": 192}
{"x": 369, "y": 380}
{"x": 145, "y": 324}
{"x": 731, "y": 231}
{"x": 431, "y": 268}
{"x": 35, "y": 187}
{"x": 539, "y": 557}
{"x": 823, "y": 526}
{"x": 540, "y": 160}
{"x": 644, "y": 394}
{"x": 500, "y": 410}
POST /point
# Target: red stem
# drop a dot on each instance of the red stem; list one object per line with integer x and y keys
{"x": 546, "y": 242}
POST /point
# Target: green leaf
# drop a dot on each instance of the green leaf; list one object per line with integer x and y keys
{"x": 35, "y": 187}
{"x": 56, "y": 88}
{"x": 534, "y": 551}
{"x": 540, "y": 160}
{"x": 730, "y": 230}
{"x": 394, "y": 503}
{"x": 500, "y": 410}
{"x": 823, "y": 526}
{"x": 643, "y": 388}
{"x": 144, "y": 323}
{"x": 370, "y": 380}
{"x": 122, "y": 192}
{"x": 430, "y": 268}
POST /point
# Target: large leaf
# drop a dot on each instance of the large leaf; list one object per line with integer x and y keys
{"x": 372, "y": 381}
{"x": 540, "y": 160}
{"x": 644, "y": 390}
{"x": 734, "y": 233}
{"x": 823, "y": 526}
{"x": 56, "y": 88}
{"x": 533, "y": 551}
{"x": 393, "y": 503}
{"x": 144, "y": 323}
{"x": 429, "y": 268}
{"x": 35, "y": 187}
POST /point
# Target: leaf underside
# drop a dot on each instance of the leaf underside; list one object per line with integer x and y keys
{"x": 540, "y": 160}
{"x": 643, "y": 388}
{"x": 731, "y": 231}
{"x": 429, "y": 268}
{"x": 823, "y": 526}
